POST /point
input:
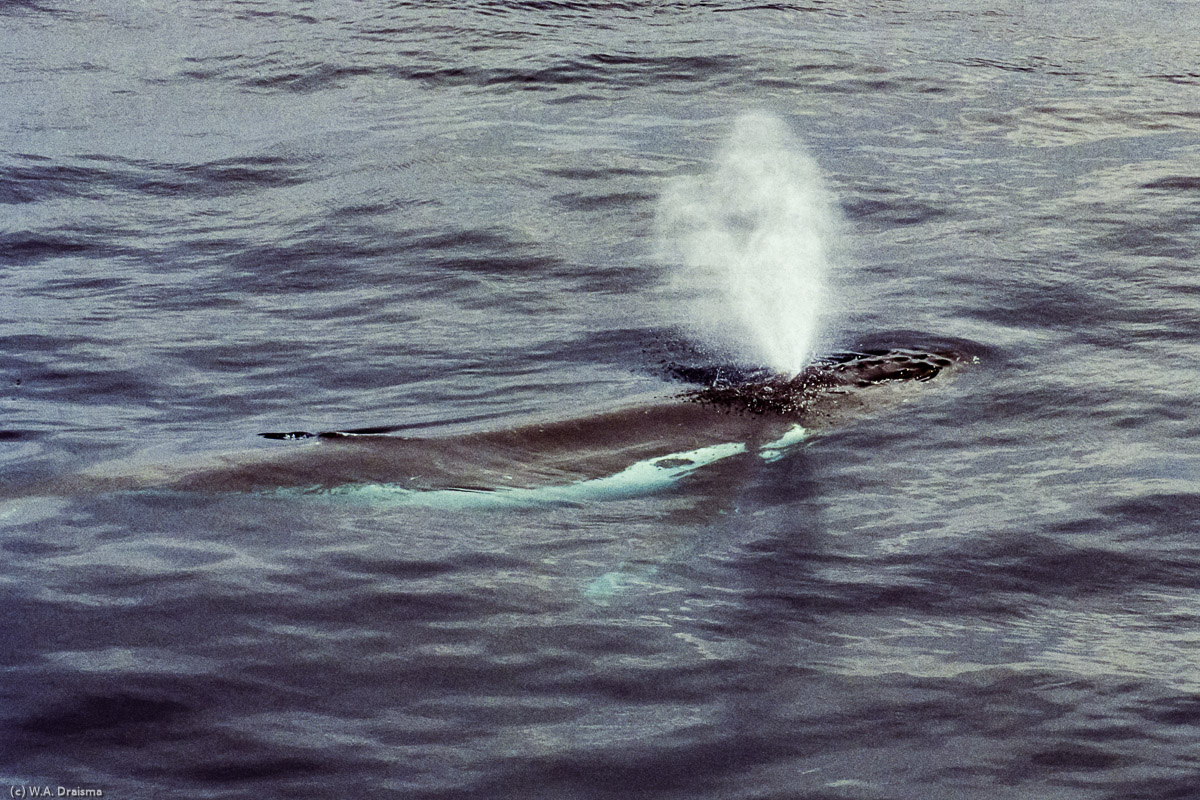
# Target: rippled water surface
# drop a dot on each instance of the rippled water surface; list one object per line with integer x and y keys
{"x": 223, "y": 218}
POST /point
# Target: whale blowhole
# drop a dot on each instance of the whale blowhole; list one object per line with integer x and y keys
{"x": 757, "y": 390}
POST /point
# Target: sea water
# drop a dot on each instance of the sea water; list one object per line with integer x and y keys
{"x": 222, "y": 218}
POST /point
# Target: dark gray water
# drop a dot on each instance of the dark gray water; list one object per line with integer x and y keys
{"x": 222, "y": 218}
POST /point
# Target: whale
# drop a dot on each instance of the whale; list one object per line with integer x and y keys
{"x": 706, "y": 413}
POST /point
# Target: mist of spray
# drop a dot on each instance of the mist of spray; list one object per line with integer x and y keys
{"x": 750, "y": 245}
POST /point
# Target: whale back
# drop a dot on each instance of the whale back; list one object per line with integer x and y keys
{"x": 723, "y": 406}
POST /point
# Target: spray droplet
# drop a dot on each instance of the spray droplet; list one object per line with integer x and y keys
{"x": 750, "y": 245}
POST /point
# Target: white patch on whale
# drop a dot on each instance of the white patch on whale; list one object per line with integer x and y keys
{"x": 641, "y": 478}
{"x": 773, "y": 451}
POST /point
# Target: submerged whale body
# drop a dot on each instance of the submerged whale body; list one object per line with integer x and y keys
{"x": 723, "y": 412}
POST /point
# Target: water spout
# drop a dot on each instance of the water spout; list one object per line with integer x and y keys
{"x": 750, "y": 245}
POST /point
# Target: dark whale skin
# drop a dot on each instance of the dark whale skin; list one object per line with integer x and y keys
{"x": 717, "y": 405}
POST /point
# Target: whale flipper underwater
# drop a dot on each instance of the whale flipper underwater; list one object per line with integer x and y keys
{"x": 726, "y": 412}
